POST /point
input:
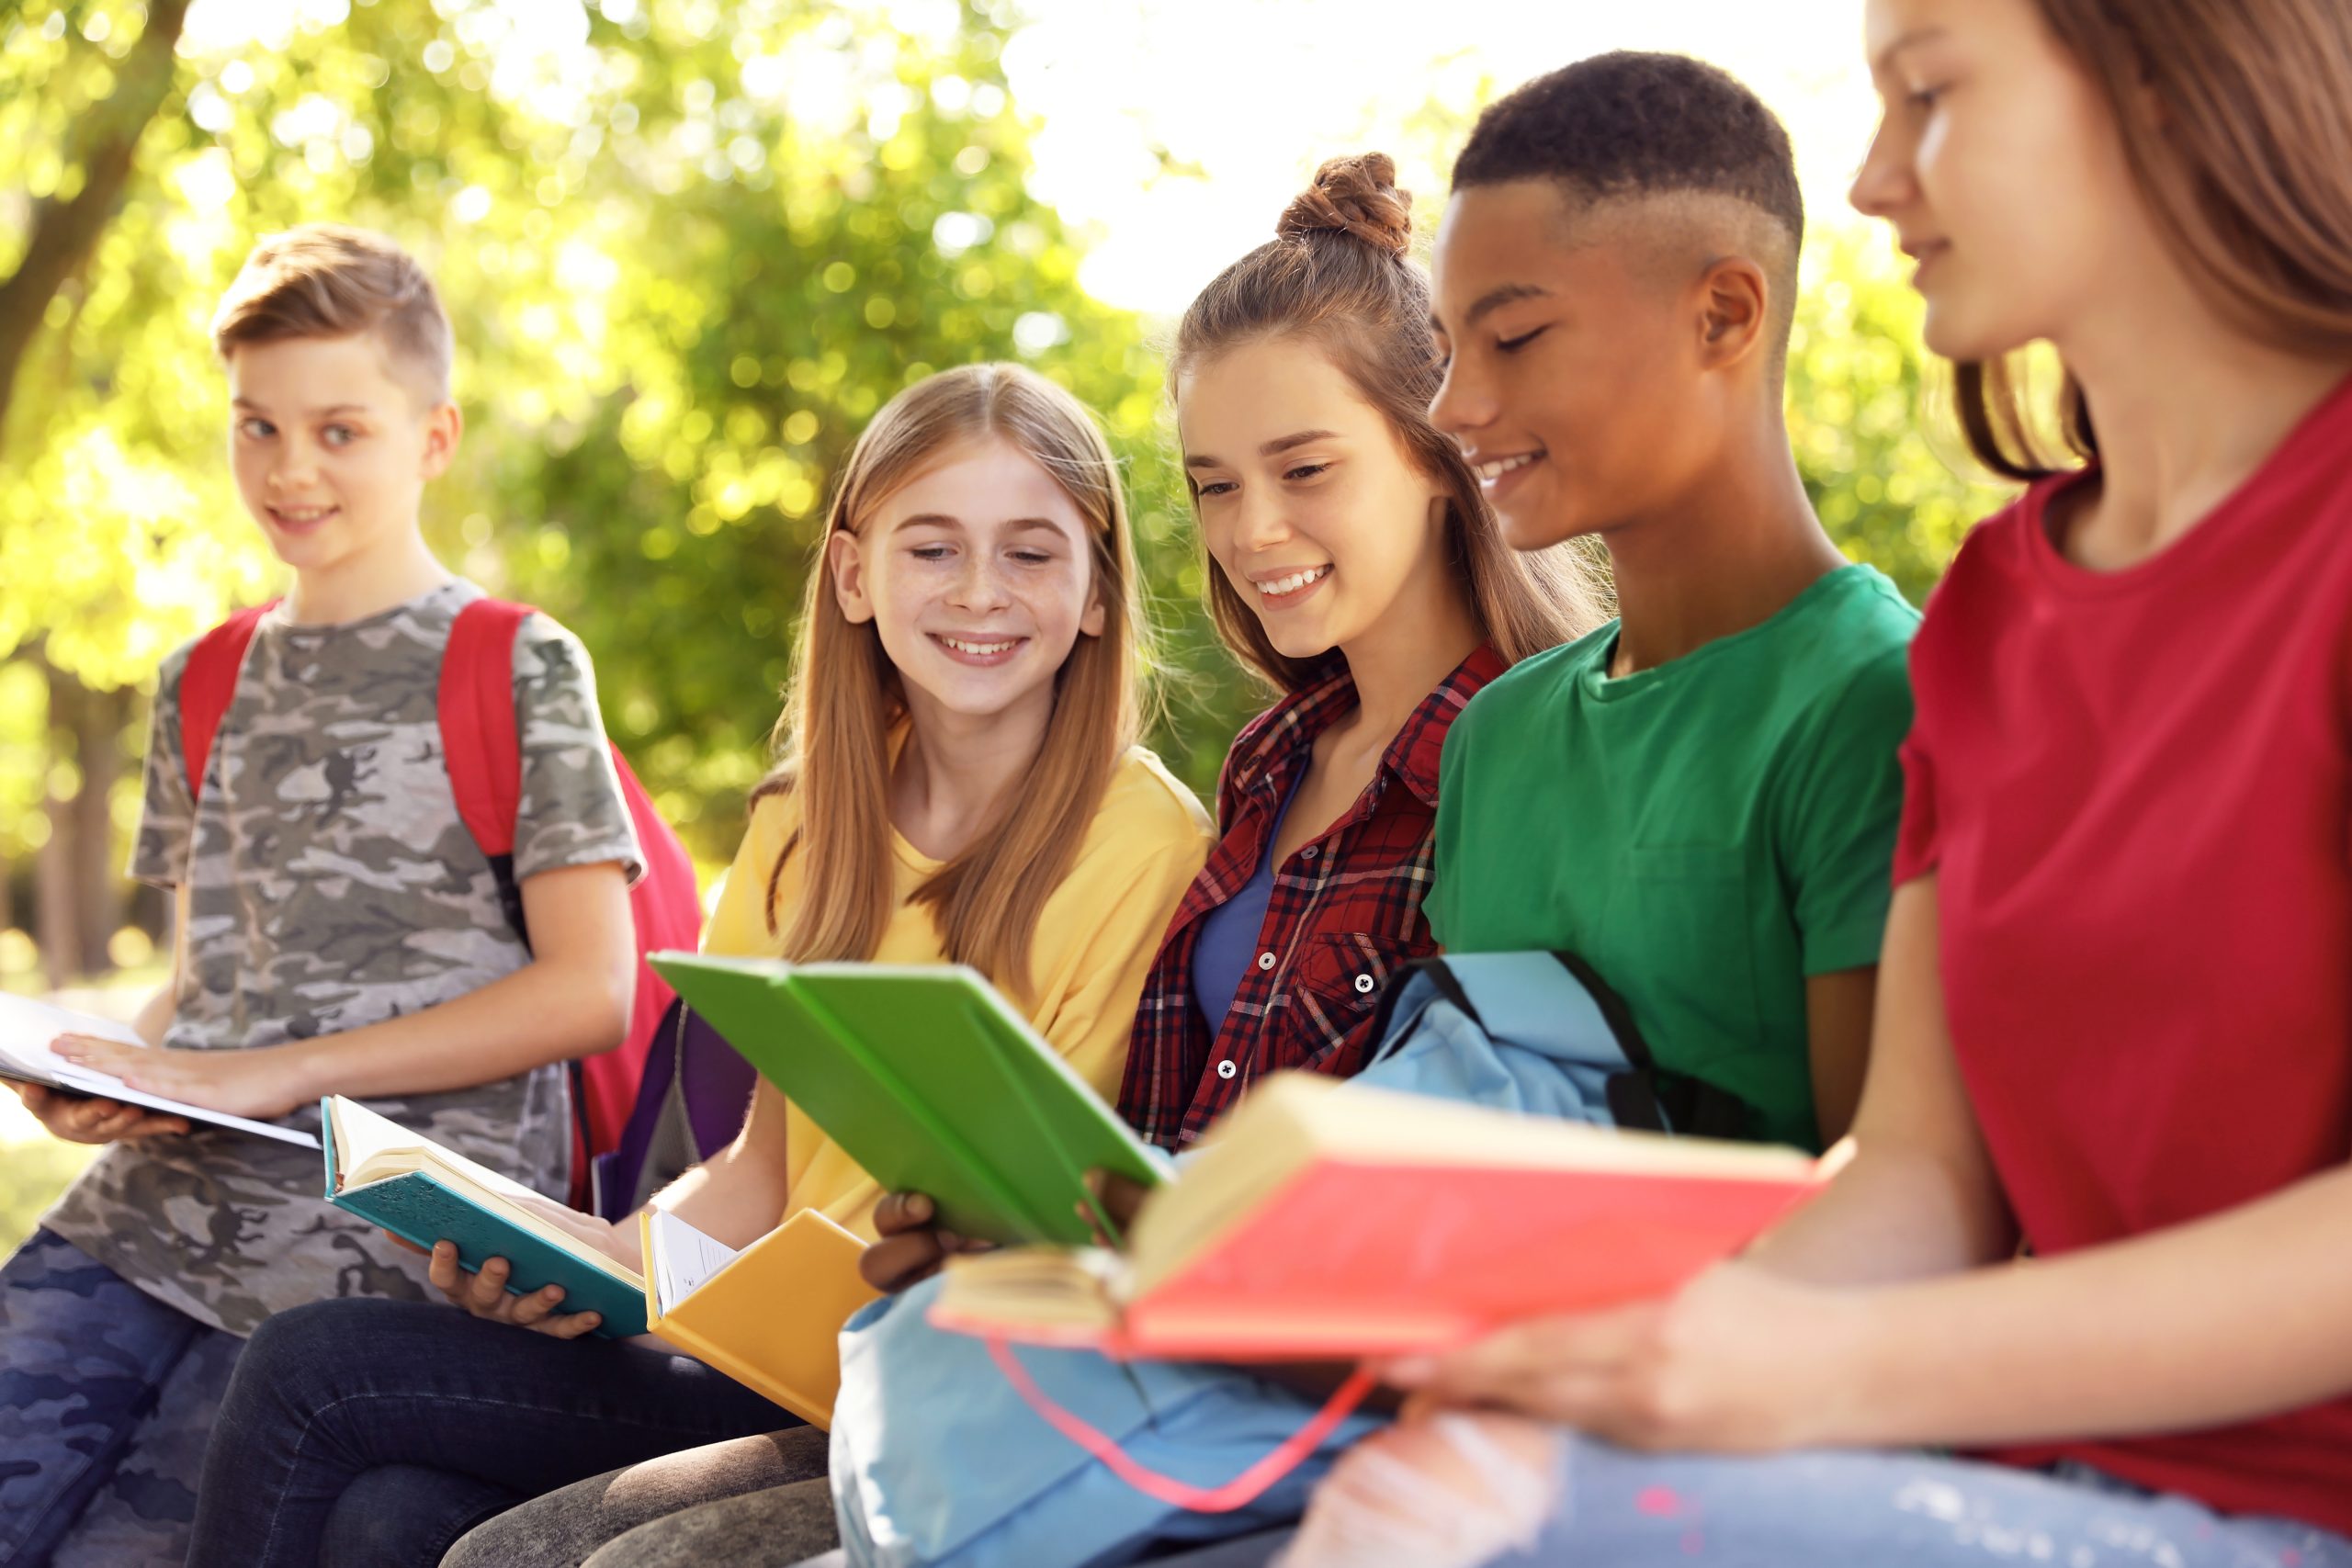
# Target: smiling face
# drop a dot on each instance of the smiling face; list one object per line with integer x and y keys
{"x": 978, "y": 576}
{"x": 1309, "y": 502}
{"x": 1573, "y": 381}
{"x": 1999, "y": 165}
{"x": 331, "y": 453}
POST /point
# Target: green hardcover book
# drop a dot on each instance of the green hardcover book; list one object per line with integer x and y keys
{"x": 928, "y": 1079}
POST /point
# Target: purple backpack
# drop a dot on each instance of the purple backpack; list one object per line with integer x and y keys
{"x": 690, "y": 1104}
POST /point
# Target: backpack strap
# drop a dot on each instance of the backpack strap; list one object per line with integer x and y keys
{"x": 478, "y": 739}
{"x": 209, "y": 684}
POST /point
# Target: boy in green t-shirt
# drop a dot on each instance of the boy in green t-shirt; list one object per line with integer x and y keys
{"x": 1699, "y": 798}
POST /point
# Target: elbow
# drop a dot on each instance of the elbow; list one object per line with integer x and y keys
{"x": 607, "y": 1000}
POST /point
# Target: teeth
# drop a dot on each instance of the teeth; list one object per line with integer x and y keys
{"x": 303, "y": 514}
{"x": 979, "y": 649}
{"x": 1501, "y": 465}
{"x": 1293, "y": 584}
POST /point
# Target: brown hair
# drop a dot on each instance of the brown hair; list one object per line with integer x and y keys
{"x": 1337, "y": 274}
{"x": 2245, "y": 168}
{"x": 846, "y": 697}
{"x": 329, "y": 281}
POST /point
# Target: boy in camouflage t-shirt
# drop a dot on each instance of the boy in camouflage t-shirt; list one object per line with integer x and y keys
{"x": 339, "y": 931}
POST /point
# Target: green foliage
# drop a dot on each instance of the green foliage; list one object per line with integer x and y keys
{"x": 32, "y": 1175}
{"x": 686, "y": 261}
{"x": 1864, "y": 419}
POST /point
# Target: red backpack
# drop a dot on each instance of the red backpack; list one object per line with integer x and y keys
{"x": 483, "y": 748}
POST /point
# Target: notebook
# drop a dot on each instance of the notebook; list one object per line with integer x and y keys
{"x": 25, "y": 1029}
{"x": 930, "y": 1081}
{"x": 768, "y": 1316}
{"x": 407, "y": 1184}
{"x": 1331, "y": 1221}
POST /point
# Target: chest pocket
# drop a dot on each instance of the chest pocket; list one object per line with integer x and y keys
{"x": 1686, "y": 924}
{"x": 1334, "y": 989}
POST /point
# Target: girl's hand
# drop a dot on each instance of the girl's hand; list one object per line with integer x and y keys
{"x": 1739, "y": 1360}
{"x": 484, "y": 1294}
{"x": 88, "y": 1119}
{"x": 913, "y": 1247}
{"x": 259, "y": 1083}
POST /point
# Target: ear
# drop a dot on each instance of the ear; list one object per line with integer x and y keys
{"x": 1732, "y": 300}
{"x": 444, "y": 427}
{"x": 848, "y": 567}
{"x": 1096, "y": 617}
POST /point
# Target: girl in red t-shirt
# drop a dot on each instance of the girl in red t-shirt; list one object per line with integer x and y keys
{"x": 2114, "y": 1023}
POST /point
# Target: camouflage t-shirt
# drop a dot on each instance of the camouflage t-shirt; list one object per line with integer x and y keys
{"x": 333, "y": 886}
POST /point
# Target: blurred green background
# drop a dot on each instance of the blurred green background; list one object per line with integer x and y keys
{"x": 687, "y": 256}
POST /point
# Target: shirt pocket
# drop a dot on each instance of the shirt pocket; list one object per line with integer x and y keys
{"x": 1689, "y": 938}
{"x": 1334, "y": 987}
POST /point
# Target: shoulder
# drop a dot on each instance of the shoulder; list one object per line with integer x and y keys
{"x": 1146, "y": 804}
{"x": 775, "y": 818}
{"x": 1988, "y": 579}
{"x": 1531, "y": 687}
{"x": 545, "y": 648}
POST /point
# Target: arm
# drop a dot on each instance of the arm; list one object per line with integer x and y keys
{"x": 572, "y": 1000}
{"x": 1838, "y": 1043}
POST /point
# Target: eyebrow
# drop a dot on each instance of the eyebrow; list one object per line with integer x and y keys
{"x": 942, "y": 520}
{"x": 1494, "y": 299}
{"x": 314, "y": 413}
{"x": 1916, "y": 35}
{"x": 1275, "y": 447}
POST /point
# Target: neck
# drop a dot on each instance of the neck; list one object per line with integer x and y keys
{"x": 1729, "y": 553}
{"x": 2186, "y": 409}
{"x": 1415, "y": 645}
{"x": 956, "y": 768}
{"x": 366, "y": 584}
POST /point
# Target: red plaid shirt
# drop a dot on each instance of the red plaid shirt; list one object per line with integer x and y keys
{"x": 1345, "y": 913}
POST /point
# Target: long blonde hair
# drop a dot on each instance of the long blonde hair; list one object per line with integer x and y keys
{"x": 1337, "y": 273}
{"x": 846, "y": 697}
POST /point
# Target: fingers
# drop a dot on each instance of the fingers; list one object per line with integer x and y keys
{"x": 1120, "y": 1196}
{"x": 484, "y": 1294}
{"x": 897, "y": 1262}
{"x": 899, "y": 1213}
{"x": 1502, "y": 1368}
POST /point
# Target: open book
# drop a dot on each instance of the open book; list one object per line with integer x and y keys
{"x": 407, "y": 1184}
{"x": 1324, "y": 1220}
{"x": 928, "y": 1079}
{"x": 768, "y": 1316}
{"x": 25, "y": 1029}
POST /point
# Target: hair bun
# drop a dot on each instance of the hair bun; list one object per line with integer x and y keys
{"x": 1355, "y": 196}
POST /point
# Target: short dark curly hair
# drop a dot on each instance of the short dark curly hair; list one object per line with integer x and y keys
{"x": 1630, "y": 123}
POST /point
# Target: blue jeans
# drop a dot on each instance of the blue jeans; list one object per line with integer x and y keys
{"x": 365, "y": 1433}
{"x": 106, "y": 1396}
{"x": 1866, "y": 1508}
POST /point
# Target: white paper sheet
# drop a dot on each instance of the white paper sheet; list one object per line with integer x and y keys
{"x": 25, "y": 1029}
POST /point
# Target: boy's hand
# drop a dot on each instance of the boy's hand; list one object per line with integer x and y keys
{"x": 257, "y": 1083}
{"x": 1120, "y": 1196}
{"x": 485, "y": 1295}
{"x": 913, "y": 1247}
{"x": 89, "y": 1119}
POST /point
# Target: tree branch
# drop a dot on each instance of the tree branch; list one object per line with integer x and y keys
{"x": 63, "y": 232}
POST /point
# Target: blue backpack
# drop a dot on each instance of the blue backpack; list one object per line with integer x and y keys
{"x": 937, "y": 1459}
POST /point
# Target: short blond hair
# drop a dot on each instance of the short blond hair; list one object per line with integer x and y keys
{"x": 327, "y": 280}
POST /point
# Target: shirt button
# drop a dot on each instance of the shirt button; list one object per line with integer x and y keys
{"x": 1311, "y": 850}
{"x": 1265, "y": 960}
{"x": 1225, "y": 1069}
{"x": 1364, "y": 985}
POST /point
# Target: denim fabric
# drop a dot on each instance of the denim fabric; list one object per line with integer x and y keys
{"x": 106, "y": 1396}
{"x": 329, "y": 1394}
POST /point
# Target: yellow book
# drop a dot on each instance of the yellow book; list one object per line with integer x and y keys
{"x": 768, "y": 1316}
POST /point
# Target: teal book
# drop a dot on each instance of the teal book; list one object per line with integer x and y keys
{"x": 929, "y": 1080}
{"x": 405, "y": 1183}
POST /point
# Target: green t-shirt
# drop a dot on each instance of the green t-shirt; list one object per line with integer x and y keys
{"x": 1706, "y": 834}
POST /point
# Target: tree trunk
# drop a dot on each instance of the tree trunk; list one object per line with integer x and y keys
{"x": 64, "y": 232}
{"x": 57, "y": 906}
{"x": 97, "y": 749}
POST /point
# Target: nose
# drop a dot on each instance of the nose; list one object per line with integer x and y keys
{"x": 297, "y": 466}
{"x": 980, "y": 586}
{"x": 1257, "y": 520}
{"x": 1463, "y": 404}
{"x": 1885, "y": 181}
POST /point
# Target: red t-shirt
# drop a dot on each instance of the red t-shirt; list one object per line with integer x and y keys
{"x": 2136, "y": 787}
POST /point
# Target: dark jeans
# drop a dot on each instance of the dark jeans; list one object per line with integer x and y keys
{"x": 375, "y": 1433}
